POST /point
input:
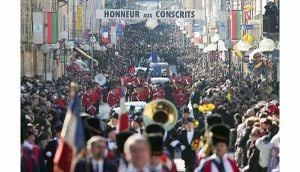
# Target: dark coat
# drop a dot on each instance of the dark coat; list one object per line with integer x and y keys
{"x": 50, "y": 148}
{"x": 188, "y": 155}
{"x": 85, "y": 165}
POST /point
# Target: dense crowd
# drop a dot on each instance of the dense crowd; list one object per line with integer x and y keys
{"x": 247, "y": 115}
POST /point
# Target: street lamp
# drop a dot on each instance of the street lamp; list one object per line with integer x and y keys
{"x": 64, "y": 36}
{"x": 266, "y": 45}
{"x": 55, "y": 48}
{"x": 243, "y": 47}
{"x": 45, "y": 49}
{"x": 229, "y": 46}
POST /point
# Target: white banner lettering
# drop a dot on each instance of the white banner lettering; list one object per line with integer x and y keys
{"x": 147, "y": 14}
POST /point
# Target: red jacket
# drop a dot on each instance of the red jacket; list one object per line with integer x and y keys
{"x": 138, "y": 80}
{"x": 114, "y": 96}
{"x": 181, "y": 97}
{"x": 158, "y": 93}
{"x": 186, "y": 80}
{"x": 208, "y": 165}
{"x": 143, "y": 94}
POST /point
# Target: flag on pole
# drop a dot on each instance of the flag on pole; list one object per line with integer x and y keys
{"x": 72, "y": 136}
{"x": 119, "y": 30}
{"x": 123, "y": 118}
{"x": 236, "y": 24}
{"x": 105, "y": 38}
{"x": 196, "y": 34}
{"x": 52, "y": 30}
{"x": 123, "y": 24}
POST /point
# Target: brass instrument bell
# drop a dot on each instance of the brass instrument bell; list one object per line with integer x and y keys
{"x": 161, "y": 111}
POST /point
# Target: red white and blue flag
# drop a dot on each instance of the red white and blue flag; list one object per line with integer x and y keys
{"x": 123, "y": 123}
{"x": 105, "y": 38}
{"x": 72, "y": 138}
{"x": 196, "y": 34}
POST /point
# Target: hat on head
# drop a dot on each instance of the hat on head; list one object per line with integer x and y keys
{"x": 190, "y": 119}
{"x": 131, "y": 107}
{"x": 115, "y": 115}
{"x": 214, "y": 118}
{"x": 220, "y": 133}
{"x": 91, "y": 127}
{"x": 186, "y": 110}
{"x": 154, "y": 133}
{"x": 108, "y": 129}
{"x": 121, "y": 139}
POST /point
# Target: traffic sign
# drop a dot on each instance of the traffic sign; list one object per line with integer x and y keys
{"x": 247, "y": 27}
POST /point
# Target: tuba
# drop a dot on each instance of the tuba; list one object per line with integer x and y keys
{"x": 101, "y": 79}
{"x": 206, "y": 143}
{"x": 161, "y": 111}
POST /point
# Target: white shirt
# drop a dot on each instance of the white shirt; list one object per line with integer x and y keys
{"x": 97, "y": 164}
{"x": 131, "y": 168}
{"x": 157, "y": 168}
{"x": 190, "y": 135}
{"x": 165, "y": 136}
{"x": 264, "y": 152}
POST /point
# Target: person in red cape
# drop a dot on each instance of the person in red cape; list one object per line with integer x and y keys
{"x": 220, "y": 160}
{"x": 143, "y": 94}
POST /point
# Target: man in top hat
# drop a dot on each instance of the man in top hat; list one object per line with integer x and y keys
{"x": 180, "y": 123}
{"x": 113, "y": 122}
{"x": 138, "y": 153}
{"x": 120, "y": 161}
{"x": 137, "y": 125}
{"x": 185, "y": 141}
{"x": 158, "y": 92}
{"x": 220, "y": 160}
{"x": 159, "y": 162}
{"x": 92, "y": 127}
{"x": 51, "y": 147}
{"x": 95, "y": 161}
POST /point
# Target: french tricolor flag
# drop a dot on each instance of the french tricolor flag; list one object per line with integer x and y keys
{"x": 196, "y": 34}
{"x": 72, "y": 137}
{"x": 123, "y": 123}
{"x": 105, "y": 38}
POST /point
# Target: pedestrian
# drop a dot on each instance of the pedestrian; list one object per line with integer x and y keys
{"x": 95, "y": 161}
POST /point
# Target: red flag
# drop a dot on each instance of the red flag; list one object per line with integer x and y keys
{"x": 123, "y": 123}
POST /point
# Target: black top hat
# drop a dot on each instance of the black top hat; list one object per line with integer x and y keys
{"x": 190, "y": 119}
{"x": 108, "y": 129}
{"x": 115, "y": 115}
{"x": 91, "y": 127}
{"x": 121, "y": 139}
{"x": 186, "y": 110}
{"x": 221, "y": 133}
{"x": 214, "y": 119}
{"x": 154, "y": 133}
{"x": 131, "y": 107}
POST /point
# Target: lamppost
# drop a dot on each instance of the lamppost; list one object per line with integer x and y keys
{"x": 243, "y": 47}
{"x": 55, "y": 48}
{"x": 92, "y": 41}
{"x": 229, "y": 46}
{"x": 266, "y": 45}
{"x": 97, "y": 48}
{"x": 45, "y": 49}
{"x": 64, "y": 36}
{"x": 68, "y": 46}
